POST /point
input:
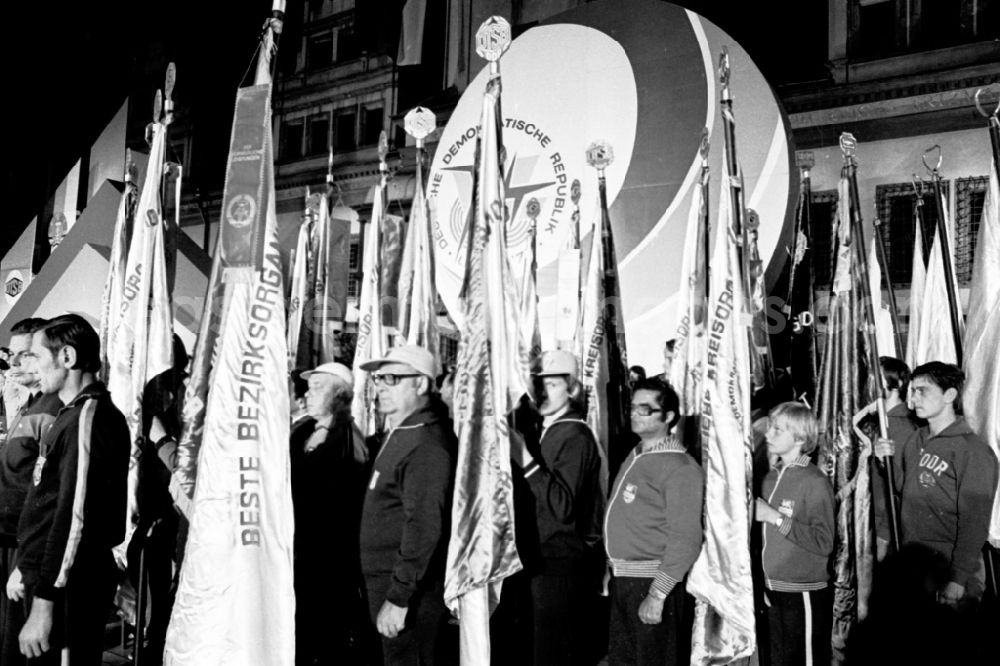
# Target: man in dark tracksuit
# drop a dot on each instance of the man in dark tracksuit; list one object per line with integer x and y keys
{"x": 565, "y": 483}
{"x": 17, "y": 460}
{"x": 947, "y": 477}
{"x": 75, "y": 510}
{"x": 406, "y": 513}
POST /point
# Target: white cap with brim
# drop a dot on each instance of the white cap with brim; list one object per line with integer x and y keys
{"x": 338, "y": 370}
{"x": 555, "y": 363}
{"x": 418, "y": 358}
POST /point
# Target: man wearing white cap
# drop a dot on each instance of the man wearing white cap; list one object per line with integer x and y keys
{"x": 327, "y": 478}
{"x": 406, "y": 512}
{"x": 565, "y": 481}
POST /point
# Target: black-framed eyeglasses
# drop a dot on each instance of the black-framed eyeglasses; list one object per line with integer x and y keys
{"x": 389, "y": 379}
{"x": 644, "y": 410}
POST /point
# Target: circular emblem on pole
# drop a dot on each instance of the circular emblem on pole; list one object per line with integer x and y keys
{"x": 420, "y": 122}
{"x": 493, "y": 38}
{"x": 600, "y": 155}
{"x": 241, "y": 211}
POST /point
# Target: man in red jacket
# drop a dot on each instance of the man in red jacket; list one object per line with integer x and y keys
{"x": 947, "y": 477}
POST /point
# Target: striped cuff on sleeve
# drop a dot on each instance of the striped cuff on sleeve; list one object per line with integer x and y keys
{"x": 786, "y": 525}
{"x": 663, "y": 583}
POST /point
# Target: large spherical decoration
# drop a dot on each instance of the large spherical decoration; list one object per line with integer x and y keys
{"x": 640, "y": 76}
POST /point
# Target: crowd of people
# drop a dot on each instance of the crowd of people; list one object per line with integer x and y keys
{"x": 604, "y": 567}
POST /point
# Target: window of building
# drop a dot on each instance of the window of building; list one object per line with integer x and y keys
{"x": 348, "y": 45}
{"x": 822, "y": 223}
{"x": 884, "y": 27}
{"x": 319, "y": 50}
{"x": 344, "y": 131}
{"x": 971, "y": 193}
{"x": 319, "y": 134}
{"x": 354, "y": 267}
{"x": 448, "y": 348}
{"x": 371, "y": 125}
{"x": 895, "y": 205}
{"x": 291, "y": 139}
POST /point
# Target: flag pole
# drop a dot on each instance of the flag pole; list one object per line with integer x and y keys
{"x": 883, "y": 262}
{"x": 946, "y": 259}
{"x": 761, "y": 372}
{"x": 848, "y": 146}
{"x": 994, "y": 130}
{"x": 600, "y": 155}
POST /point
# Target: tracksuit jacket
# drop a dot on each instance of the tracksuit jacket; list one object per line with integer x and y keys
{"x": 17, "y": 459}
{"x": 796, "y": 554}
{"x": 652, "y": 528}
{"x": 567, "y": 489}
{"x": 75, "y": 509}
{"x": 407, "y": 507}
{"x": 948, "y": 482}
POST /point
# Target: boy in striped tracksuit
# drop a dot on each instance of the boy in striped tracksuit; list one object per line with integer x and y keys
{"x": 798, "y": 515}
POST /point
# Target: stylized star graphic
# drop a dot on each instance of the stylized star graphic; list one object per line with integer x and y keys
{"x": 516, "y": 193}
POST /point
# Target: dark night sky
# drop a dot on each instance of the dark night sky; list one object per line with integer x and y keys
{"x": 70, "y": 64}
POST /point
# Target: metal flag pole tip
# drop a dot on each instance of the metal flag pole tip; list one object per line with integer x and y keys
{"x": 492, "y": 39}
{"x": 600, "y": 155}
{"x": 979, "y": 106}
{"x": 940, "y": 157}
{"x": 848, "y": 144}
{"x": 383, "y": 150}
{"x": 420, "y": 123}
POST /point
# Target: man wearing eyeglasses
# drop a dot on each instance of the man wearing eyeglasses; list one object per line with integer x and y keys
{"x": 564, "y": 478}
{"x": 406, "y": 512}
{"x": 17, "y": 460}
{"x": 652, "y": 534}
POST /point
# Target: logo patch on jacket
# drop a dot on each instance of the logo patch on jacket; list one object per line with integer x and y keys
{"x": 629, "y": 493}
{"x": 36, "y": 475}
{"x": 786, "y": 508}
{"x": 927, "y": 479}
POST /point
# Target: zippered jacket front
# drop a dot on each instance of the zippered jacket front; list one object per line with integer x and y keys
{"x": 653, "y": 527}
{"x": 796, "y": 554}
{"x": 948, "y": 482}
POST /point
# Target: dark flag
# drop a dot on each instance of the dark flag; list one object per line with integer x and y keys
{"x": 800, "y": 306}
{"x": 847, "y": 385}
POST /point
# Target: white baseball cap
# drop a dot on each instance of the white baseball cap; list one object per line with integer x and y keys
{"x": 338, "y": 370}
{"x": 418, "y": 358}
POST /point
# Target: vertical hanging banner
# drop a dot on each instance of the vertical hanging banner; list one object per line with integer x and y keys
{"x": 488, "y": 384}
{"x": 720, "y": 579}
{"x": 372, "y": 340}
{"x": 140, "y": 336}
{"x": 689, "y": 337}
{"x": 981, "y": 397}
{"x": 235, "y": 602}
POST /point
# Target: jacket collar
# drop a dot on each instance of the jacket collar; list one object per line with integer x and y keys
{"x": 801, "y": 461}
{"x": 430, "y": 413}
{"x": 668, "y": 443}
{"x": 957, "y": 427}
{"x": 94, "y": 389}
